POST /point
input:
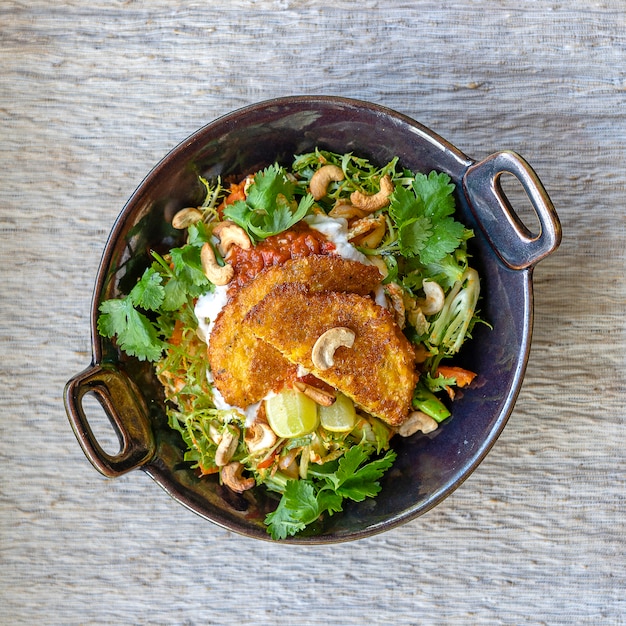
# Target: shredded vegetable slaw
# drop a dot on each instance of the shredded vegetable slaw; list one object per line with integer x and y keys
{"x": 311, "y": 443}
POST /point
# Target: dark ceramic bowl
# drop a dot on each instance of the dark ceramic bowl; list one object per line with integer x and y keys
{"x": 428, "y": 468}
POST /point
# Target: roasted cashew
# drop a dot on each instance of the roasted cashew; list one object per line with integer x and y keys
{"x": 232, "y": 478}
{"x": 215, "y": 435}
{"x": 434, "y": 298}
{"x": 346, "y": 210}
{"x": 319, "y": 396}
{"x": 322, "y": 178}
{"x": 259, "y": 437}
{"x": 394, "y": 291}
{"x": 416, "y": 421}
{"x": 217, "y": 274}
{"x": 228, "y": 446}
{"x": 327, "y": 344}
{"x": 417, "y": 319}
{"x": 231, "y": 235}
{"x": 376, "y": 201}
{"x": 186, "y": 217}
{"x": 368, "y": 232}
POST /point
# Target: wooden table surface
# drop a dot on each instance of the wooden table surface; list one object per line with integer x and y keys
{"x": 93, "y": 94}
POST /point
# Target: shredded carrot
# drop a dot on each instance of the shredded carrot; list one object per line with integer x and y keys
{"x": 462, "y": 376}
{"x": 177, "y": 333}
{"x": 236, "y": 192}
{"x": 267, "y": 461}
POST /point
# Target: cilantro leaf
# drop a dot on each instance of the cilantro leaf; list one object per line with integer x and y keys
{"x": 435, "y": 191}
{"x": 268, "y": 184}
{"x": 305, "y": 500}
{"x": 297, "y": 508}
{"x": 405, "y": 205}
{"x": 413, "y": 235}
{"x": 270, "y": 207}
{"x": 445, "y": 238}
{"x": 422, "y": 213}
{"x": 148, "y": 293}
{"x": 357, "y": 481}
{"x": 136, "y": 334}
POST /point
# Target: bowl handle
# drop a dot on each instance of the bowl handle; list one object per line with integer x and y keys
{"x": 126, "y": 412}
{"x": 511, "y": 240}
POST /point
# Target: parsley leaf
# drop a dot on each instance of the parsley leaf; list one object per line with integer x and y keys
{"x": 270, "y": 207}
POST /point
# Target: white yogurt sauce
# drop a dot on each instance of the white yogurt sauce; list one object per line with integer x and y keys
{"x": 208, "y": 307}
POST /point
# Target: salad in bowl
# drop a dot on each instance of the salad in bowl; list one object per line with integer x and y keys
{"x": 312, "y": 314}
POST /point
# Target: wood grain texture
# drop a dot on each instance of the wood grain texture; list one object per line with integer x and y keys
{"x": 93, "y": 94}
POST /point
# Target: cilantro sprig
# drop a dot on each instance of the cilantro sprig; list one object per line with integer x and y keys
{"x": 143, "y": 320}
{"x": 270, "y": 206}
{"x": 136, "y": 333}
{"x": 352, "y": 477}
{"x": 422, "y": 216}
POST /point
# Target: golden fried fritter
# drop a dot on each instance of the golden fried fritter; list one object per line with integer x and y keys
{"x": 377, "y": 372}
{"x": 244, "y": 368}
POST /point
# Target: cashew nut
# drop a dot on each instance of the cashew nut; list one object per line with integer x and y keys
{"x": 186, "y": 217}
{"x": 368, "y": 232}
{"x": 327, "y": 344}
{"x": 345, "y": 210}
{"x": 417, "y": 421}
{"x": 259, "y": 437}
{"x": 231, "y": 235}
{"x": 394, "y": 291}
{"x": 232, "y": 478}
{"x": 434, "y": 298}
{"x": 322, "y": 178}
{"x": 287, "y": 463}
{"x": 319, "y": 396}
{"x": 376, "y": 201}
{"x": 215, "y": 435}
{"x": 217, "y": 274}
{"x": 417, "y": 319}
{"x": 228, "y": 446}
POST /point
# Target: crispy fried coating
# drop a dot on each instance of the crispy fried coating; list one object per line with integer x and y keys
{"x": 245, "y": 368}
{"x": 377, "y": 372}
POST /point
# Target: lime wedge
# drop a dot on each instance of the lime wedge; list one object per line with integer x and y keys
{"x": 340, "y": 416}
{"x": 291, "y": 414}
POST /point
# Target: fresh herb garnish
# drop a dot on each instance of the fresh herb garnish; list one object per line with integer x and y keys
{"x": 421, "y": 215}
{"x": 422, "y": 242}
{"x": 136, "y": 334}
{"x": 270, "y": 206}
{"x": 304, "y": 501}
{"x": 166, "y": 289}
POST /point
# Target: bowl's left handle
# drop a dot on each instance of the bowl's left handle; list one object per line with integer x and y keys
{"x": 509, "y": 237}
{"x": 126, "y": 412}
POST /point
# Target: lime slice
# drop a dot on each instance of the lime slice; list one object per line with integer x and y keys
{"x": 291, "y": 414}
{"x": 340, "y": 416}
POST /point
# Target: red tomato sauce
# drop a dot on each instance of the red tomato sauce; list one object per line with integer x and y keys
{"x": 297, "y": 242}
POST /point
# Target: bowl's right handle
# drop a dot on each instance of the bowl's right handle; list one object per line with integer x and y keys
{"x": 126, "y": 412}
{"x": 511, "y": 240}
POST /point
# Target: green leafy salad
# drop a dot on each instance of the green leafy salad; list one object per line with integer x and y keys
{"x": 312, "y": 443}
